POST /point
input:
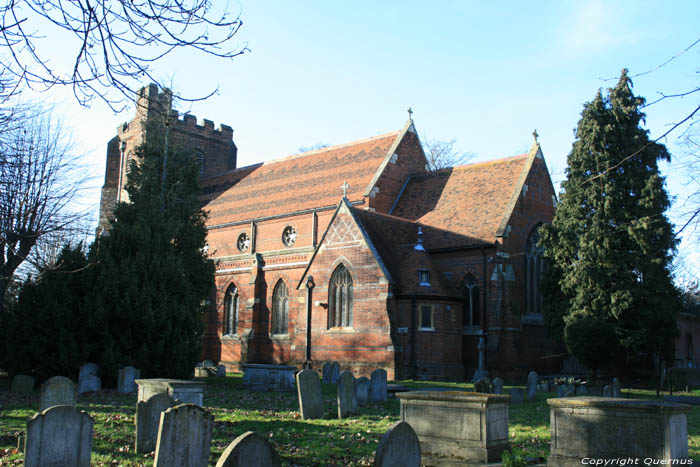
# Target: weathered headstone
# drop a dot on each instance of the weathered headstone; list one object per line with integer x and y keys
{"x": 335, "y": 372}
{"x": 127, "y": 379}
{"x": 378, "y": 387}
{"x": 201, "y": 372}
{"x": 497, "y": 386}
{"x": 399, "y": 447}
{"x": 483, "y": 385}
{"x": 89, "y": 369}
{"x": 247, "y": 450}
{"x": 57, "y": 390}
{"x": 481, "y": 370}
{"x": 184, "y": 437}
{"x": 22, "y": 383}
{"x": 310, "y": 396}
{"x": 327, "y": 373}
{"x": 89, "y": 383}
{"x": 607, "y": 391}
{"x": 59, "y": 436}
{"x": 531, "y": 386}
{"x": 582, "y": 391}
{"x": 616, "y": 388}
{"x": 221, "y": 370}
{"x": 208, "y": 364}
{"x": 362, "y": 390}
{"x": 517, "y": 395}
{"x": 346, "y": 393}
{"x": 147, "y": 420}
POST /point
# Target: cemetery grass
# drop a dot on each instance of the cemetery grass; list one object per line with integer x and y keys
{"x": 327, "y": 441}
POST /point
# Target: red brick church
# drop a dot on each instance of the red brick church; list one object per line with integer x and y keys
{"x": 357, "y": 253}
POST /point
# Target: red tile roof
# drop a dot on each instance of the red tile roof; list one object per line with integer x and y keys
{"x": 469, "y": 200}
{"x": 305, "y": 181}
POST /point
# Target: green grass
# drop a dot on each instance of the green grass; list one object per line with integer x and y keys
{"x": 328, "y": 441}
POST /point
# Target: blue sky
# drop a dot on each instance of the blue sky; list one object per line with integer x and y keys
{"x": 484, "y": 73}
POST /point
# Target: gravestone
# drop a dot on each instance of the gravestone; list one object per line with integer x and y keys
{"x": 481, "y": 371}
{"x": 378, "y": 387}
{"x": 581, "y": 391}
{"x": 208, "y": 364}
{"x": 147, "y": 420}
{"x": 60, "y": 435}
{"x": 362, "y": 391}
{"x": 310, "y": 396}
{"x": 517, "y": 395}
{"x": 399, "y": 447}
{"x": 327, "y": 373}
{"x": 531, "y": 386}
{"x": 201, "y": 372}
{"x": 497, "y": 386}
{"x": 616, "y": 388}
{"x": 89, "y": 383}
{"x": 127, "y": 379}
{"x": 184, "y": 437}
{"x": 249, "y": 449}
{"x": 221, "y": 370}
{"x": 88, "y": 369}
{"x": 57, "y": 390}
{"x": 335, "y": 372}
{"x": 607, "y": 391}
{"x": 346, "y": 393}
{"x": 483, "y": 385}
{"x": 22, "y": 383}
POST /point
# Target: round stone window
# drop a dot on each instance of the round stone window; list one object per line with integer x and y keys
{"x": 243, "y": 242}
{"x": 289, "y": 235}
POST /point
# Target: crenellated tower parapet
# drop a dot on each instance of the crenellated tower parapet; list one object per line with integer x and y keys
{"x": 212, "y": 146}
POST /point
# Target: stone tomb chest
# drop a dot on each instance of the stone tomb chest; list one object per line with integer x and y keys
{"x": 262, "y": 377}
{"x": 602, "y": 427}
{"x": 187, "y": 392}
{"x": 457, "y": 428}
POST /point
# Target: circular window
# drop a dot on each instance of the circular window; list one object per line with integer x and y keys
{"x": 289, "y": 235}
{"x": 243, "y": 242}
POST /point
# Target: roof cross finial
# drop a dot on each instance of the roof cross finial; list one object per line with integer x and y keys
{"x": 535, "y": 135}
{"x": 345, "y": 187}
{"x": 410, "y": 114}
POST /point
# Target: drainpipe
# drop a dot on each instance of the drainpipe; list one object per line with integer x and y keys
{"x": 484, "y": 327}
{"x": 414, "y": 363}
{"x": 309, "y": 303}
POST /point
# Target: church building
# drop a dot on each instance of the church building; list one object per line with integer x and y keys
{"x": 358, "y": 253}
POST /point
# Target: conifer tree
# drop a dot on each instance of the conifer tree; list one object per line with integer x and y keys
{"x": 152, "y": 276}
{"x": 610, "y": 245}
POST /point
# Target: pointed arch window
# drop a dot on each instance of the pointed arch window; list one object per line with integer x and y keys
{"x": 231, "y": 300}
{"x": 472, "y": 300}
{"x": 280, "y": 308}
{"x": 340, "y": 298}
{"x": 534, "y": 257}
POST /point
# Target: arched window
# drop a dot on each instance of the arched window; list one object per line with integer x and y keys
{"x": 534, "y": 255}
{"x": 472, "y": 300}
{"x": 201, "y": 159}
{"x": 280, "y": 308}
{"x": 231, "y": 311}
{"x": 340, "y": 298}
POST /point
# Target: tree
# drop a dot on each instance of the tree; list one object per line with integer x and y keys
{"x": 441, "y": 154}
{"x": 113, "y": 44}
{"x": 152, "y": 276}
{"x": 38, "y": 183}
{"x": 610, "y": 245}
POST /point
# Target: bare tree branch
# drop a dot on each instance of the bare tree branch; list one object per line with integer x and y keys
{"x": 441, "y": 154}
{"x": 115, "y": 43}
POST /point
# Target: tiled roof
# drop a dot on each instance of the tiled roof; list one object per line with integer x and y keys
{"x": 469, "y": 201}
{"x": 305, "y": 181}
{"x": 395, "y": 240}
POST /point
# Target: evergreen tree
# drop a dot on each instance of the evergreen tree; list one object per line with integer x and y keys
{"x": 610, "y": 245}
{"x": 152, "y": 277}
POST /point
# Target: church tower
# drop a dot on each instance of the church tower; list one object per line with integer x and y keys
{"x": 213, "y": 147}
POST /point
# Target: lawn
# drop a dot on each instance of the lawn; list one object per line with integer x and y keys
{"x": 328, "y": 441}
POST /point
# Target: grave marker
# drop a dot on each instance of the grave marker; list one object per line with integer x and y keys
{"x": 378, "y": 387}
{"x": 531, "y": 386}
{"x": 335, "y": 372}
{"x": 249, "y": 449}
{"x": 327, "y": 373}
{"x": 616, "y": 388}
{"x": 310, "y": 395}
{"x": 22, "y": 383}
{"x": 57, "y": 390}
{"x": 147, "y": 420}
{"x": 59, "y": 436}
{"x": 497, "y": 386}
{"x": 184, "y": 437}
{"x": 89, "y": 383}
{"x": 346, "y": 393}
{"x": 398, "y": 447}
{"x": 127, "y": 379}
{"x": 363, "y": 385}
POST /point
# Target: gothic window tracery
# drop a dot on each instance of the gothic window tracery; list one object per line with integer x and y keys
{"x": 289, "y": 235}
{"x": 243, "y": 242}
{"x": 280, "y": 308}
{"x": 340, "y": 298}
{"x": 534, "y": 257}
{"x": 231, "y": 311}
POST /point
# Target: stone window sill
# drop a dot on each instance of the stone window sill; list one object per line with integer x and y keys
{"x": 340, "y": 331}
{"x": 231, "y": 337}
{"x": 279, "y": 336}
{"x": 426, "y": 329}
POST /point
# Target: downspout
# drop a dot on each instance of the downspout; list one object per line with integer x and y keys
{"x": 414, "y": 363}
{"x": 484, "y": 327}
{"x": 309, "y": 303}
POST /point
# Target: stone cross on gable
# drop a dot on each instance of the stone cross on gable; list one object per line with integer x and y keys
{"x": 345, "y": 187}
{"x": 535, "y": 135}
{"x": 410, "y": 114}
